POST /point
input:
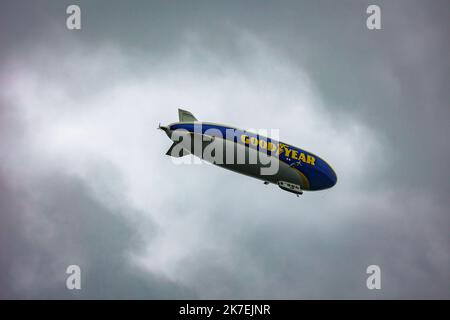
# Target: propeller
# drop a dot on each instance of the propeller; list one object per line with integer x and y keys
{"x": 164, "y": 128}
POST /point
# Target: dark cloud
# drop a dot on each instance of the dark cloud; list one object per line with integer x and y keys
{"x": 75, "y": 149}
{"x": 64, "y": 225}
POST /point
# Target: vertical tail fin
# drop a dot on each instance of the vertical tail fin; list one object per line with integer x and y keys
{"x": 185, "y": 116}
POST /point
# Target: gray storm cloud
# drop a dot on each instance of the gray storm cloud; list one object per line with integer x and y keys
{"x": 84, "y": 179}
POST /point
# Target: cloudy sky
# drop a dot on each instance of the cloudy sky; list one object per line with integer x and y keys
{"x": 84, "y": 179}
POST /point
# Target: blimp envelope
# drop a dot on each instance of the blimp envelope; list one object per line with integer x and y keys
{"x": 297, "y": 169}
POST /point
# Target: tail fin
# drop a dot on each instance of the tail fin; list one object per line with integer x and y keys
{"x": 185, "y": 116}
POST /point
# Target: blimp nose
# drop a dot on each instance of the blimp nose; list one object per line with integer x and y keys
{"x": 324, "y": 176}
{"x": 331, "y": 176}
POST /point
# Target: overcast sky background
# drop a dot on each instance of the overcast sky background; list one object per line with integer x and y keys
{"x": 84, "y": 179}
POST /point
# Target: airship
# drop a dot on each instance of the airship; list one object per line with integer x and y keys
{"x": 252, "y": 154}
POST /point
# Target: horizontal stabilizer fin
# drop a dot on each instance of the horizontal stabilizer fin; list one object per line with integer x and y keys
{"x": 176, "y": 153}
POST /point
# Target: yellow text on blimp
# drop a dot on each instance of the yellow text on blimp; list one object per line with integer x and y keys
{"x": 279, "y": 149}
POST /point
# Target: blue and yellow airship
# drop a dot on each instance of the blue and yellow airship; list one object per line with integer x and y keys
{"x": 293, "y": 169}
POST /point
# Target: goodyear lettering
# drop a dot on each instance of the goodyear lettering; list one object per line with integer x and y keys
{"x": 279, "y": 148}
{"x": 263, "y": 144}
{"x": 287, "y": 152}
{"x": 310, "y": 160}
{"x": 271, "y": 146}
{"x": 302, "y": 157}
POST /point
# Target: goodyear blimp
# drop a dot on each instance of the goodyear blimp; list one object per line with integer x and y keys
{"x": 291, "y": 168}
